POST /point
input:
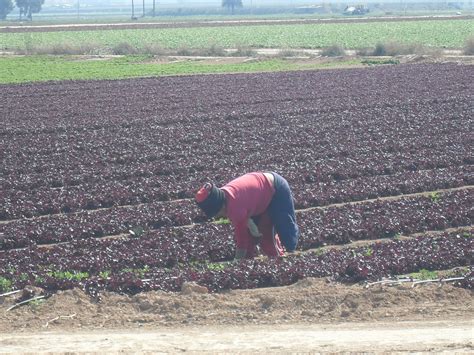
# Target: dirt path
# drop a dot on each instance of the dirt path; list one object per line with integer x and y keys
{"x": 450, "y": 336}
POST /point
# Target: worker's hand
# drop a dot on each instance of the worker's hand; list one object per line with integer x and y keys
{"x": 240, "y": 254}
{"x": 254, "y": 229}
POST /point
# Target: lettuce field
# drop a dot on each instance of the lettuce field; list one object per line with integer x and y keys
{"x": 446, "y": 33}
{"x": 98, "y": 177}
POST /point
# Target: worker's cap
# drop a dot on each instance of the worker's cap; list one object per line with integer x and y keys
{"x": 210, "y": 199}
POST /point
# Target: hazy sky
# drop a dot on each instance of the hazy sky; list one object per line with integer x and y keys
{"x": 149, "y": 3}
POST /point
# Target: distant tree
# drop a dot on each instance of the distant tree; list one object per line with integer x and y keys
{"x": 232, "y": 4}
{"x": 6, "y": 6}
{"x": 133, "y": 11}
{"x": 29, "y": 7}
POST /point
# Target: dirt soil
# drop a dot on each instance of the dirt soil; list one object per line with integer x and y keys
{"x": 313, "y": 314}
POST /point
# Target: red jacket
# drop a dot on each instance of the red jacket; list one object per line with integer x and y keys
{"x": 247, "y": 196}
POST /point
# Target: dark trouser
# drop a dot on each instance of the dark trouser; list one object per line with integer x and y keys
{"x": 282, "y": 213}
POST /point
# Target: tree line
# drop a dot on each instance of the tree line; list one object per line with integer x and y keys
{"x": 229, "y": 4}
{"x": 27, "y": 8}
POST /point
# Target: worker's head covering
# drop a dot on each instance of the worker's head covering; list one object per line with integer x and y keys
{"x": 211, "y": 199}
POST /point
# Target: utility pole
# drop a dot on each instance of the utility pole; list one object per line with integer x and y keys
{"x": 78, "y": 7}
{"x": 133, "y": 10}
{"x": 143, "y": 8}
{"x": 154, "y": 8}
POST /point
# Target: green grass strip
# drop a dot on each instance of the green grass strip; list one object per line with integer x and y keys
{"x": 21, "y": 69}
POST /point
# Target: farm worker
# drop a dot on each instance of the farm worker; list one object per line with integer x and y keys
{"x": 261, "y": 210}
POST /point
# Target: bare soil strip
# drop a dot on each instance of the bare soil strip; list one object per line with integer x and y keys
{"x": 211, "y": 23}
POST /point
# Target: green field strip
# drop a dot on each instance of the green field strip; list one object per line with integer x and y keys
{"x": 22, "y": 69}
{"x": 58, "y": 23}
{"x": 448, "y": 34}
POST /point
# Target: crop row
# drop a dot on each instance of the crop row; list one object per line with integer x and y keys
{"x": 333, "y": 225}
{"x": 386, "y": 218}
{"x": 100, "y": 223}
{"x": 309, "y": 195}
{"x": 176, "y": 102}
{"x": 46, "y": 201}
{"x": 311, "y": 121}
{"x": 350, "y": 264}
{"x": 17, "y": 203}
{"x": 315, "y": 148}
{"x": 348, "y": 150}
{"x": 176, "y": 178}
{"x": 319, "y": 132}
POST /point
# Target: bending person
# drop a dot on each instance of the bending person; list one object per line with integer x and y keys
{"x": 261, "y": 210}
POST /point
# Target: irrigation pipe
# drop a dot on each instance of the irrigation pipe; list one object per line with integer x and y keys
{"x": 437, "y": 280}
{"x": 24, "y": 302}
{"x": 388, "y": 282}
{"x": 10, "y": 293}
{"x": 59, "y": 317}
